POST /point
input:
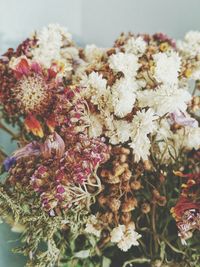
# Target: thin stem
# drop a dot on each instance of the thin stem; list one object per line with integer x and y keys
{"x": 136, "y": 260}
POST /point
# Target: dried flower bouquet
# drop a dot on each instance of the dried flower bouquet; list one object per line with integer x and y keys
{"x": 107, "y": 170}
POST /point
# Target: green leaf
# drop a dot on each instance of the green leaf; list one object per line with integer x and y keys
{"x": 106, "y": 262}
{"x": 83, "y": 254}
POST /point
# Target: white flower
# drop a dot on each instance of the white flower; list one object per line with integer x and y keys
{"x": 93, "y": 53}
{"x": 191, "y": 44}
{"x": 120, "y": 132}
{"x": 124, "y": 62}
{"x": 135, "y": 45}
{"x": 50, "y": 41}
{"x": 141, "y": 146}
{"x": 193, "y": 37}
{"x": 142, "y": 125}
{"x": 90, "y": 226}
{"x": 123, "y": 130}
{"x": 95, "y": 125}
{"x": 125, "y": 237}
{"x": 131, "y": 239}
{"x": 191, "y": 137}
{"x": 165, "y": 99}
{"x": 167, "y": 67}
{"x": 96, "y": 87}
{"x": 123, "y": 96}
{"x": 117, "y": 233}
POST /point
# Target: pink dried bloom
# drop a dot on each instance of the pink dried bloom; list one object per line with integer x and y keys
{"x": 63, "y": 169}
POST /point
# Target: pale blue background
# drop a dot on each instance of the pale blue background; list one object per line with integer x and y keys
{"x": 90, "y": 21}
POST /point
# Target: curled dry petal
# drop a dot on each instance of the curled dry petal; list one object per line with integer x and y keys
{"x": 53, "y": 146}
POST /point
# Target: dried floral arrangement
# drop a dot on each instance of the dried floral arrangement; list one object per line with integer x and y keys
{"x": 107, "y": 167}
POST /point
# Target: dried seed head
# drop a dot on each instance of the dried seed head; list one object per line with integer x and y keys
{"x": 125, "y": 217}
{"x": 114, "y": 190}
{"x": 119, "y": 170}
{"x": 129, "y": 204}
{"x": 135, "y": 185}
{"x": 114, "y": 204}
{"x": 120, "y": 150}
{"x": 147, "y": 165}
{"x": 102, "y": 200}
{"x": 162, "y": 201}
{"x": 145, "y": 208}
{"x": 122, "y": 158}
{"x": 32, "y": 94}
{"x": 105, "y": 173}
{"x": 156, "y": 194}
{"x": 107, "y": 217}
{"x": 126, "y": 176}
{"x": 126, "y": 186}
{"x": 112, "y": 179}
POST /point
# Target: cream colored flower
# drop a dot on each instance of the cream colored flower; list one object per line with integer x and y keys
{"x": 123, "y": 96}
{"x": 165, "y": 99}
{"x": 51, "y": 39}
{"x": 124, "y": 62}
{"x": 135, "y": 45}
{"x": 167, "y": 67}
{"x": 96, "y": 88}
{"x": 125, "y": 236}
{"x": 191, "y": 44}
{"x": 93, "y": 53}
{"x": 143, "y": 123}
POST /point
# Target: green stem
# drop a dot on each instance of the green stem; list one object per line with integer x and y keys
{"x": 136, "y": 260}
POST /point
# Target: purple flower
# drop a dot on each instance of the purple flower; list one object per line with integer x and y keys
{"x": 183, "y": 119}
{"x": 8, "y": 163}
{"x": 32, "y": 149}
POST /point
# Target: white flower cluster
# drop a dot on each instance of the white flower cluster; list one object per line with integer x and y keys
{"x": 125, "y": 236}
{"x": 167, "y": 68}
{"x": 190, "y": 49}
{"x": 191, "y": 44}
{"x": 55, "y": 46}
{"x": 164, "y": 99}
{"x": 142, "y": 125}
{"x": 136, "y": 46}
{"x": 126, "y": 110}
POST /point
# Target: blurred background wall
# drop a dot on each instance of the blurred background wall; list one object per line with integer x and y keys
{"x": 90, "y": 21}
{"x": 97, "y": 21}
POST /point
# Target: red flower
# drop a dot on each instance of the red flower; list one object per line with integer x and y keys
{"x": 22, "y": 68}
{"x": 51, "y": 123}
{"x": 33, "y": 125}
{"x": 182, "y": 205}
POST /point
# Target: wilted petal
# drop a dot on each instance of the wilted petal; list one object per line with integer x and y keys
{"x": 32, "y": 149}
{"x": 22, "y": 68}
{"x": 53, "y": 146}
{"x": 183, "y": 119}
